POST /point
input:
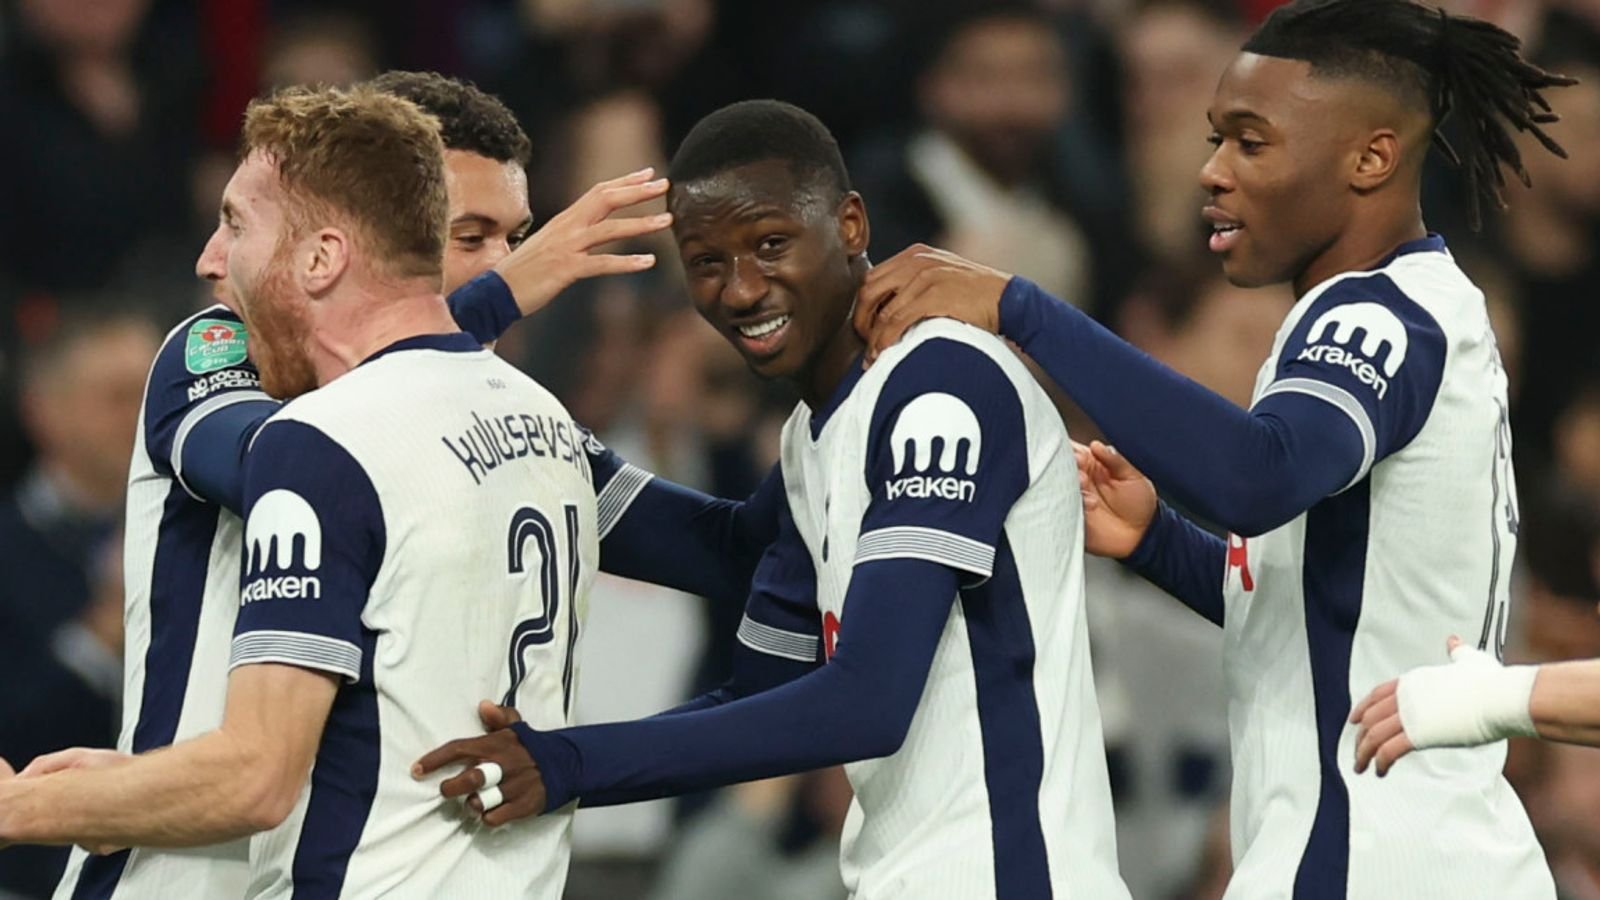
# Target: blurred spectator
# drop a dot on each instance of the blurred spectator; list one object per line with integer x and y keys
{"x": 980, "y": 175}
{"x": 81, "y": 390}
{"x": 106, "y": 101}
{"x": 1558, "y": 533}
{"x": 1564, "y": 814}
{"x": 61, "y": 597}
{"x": 1551, "y": 237}
{"x": 1577, "y": 440}
{"x": 766, "y": 840}
{"x": 1174, "y": 53}
{"x": 319, "y": 48}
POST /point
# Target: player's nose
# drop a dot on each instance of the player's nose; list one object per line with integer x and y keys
{"x": 746, "y": 285}
{"x": 212, "y": 264}
{"x": 1214, "y": 175}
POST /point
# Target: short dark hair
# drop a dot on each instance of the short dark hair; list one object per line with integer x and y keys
{"x": 1441, "y": 63}
{"x": 752, "y": 131}
{"x": 469, "y": 119}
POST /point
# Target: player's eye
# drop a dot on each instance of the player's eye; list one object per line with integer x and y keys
{"x": 1249, "y": 146}
{"x": 516, "y": 238}
{"x": 773, "y": 243}
{"x": 1214, "y": 139}
{"x": 473, "y": 241}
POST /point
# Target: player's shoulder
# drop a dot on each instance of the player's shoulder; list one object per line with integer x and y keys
{"x": 948, "y": 351}
{"x": 1419, "y": 284}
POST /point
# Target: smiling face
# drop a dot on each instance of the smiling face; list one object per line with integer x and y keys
{"x": 1282, "y": 140}
{"x": 771, "y": 265}
{"x": 489, "y": 214}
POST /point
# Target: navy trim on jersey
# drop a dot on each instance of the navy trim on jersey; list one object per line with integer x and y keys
{"x": 177, "y": 593}
{"x": 1433, "y": 242}
{"x": 455, "y": 342}
{"x": 1333, "y": 574}
{"x": 344, "y": 783}
{"x": 1001, "y": 641}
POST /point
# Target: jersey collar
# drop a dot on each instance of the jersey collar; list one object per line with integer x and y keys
{"x": 456, "y": 342}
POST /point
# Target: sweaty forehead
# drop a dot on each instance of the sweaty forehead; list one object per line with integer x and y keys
{"x": 751, "y": 191}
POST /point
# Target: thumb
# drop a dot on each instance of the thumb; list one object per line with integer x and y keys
{"x": 5, "y": 769}
{"x": 1115, "y": 462}
{"x": 1454, "y": 645}
{"x": 490, "y": 714}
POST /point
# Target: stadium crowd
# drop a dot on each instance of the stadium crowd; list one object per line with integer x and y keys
{"x": 1059, "y": 139}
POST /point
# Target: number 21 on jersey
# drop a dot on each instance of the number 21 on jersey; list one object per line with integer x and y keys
{"x": 531, "y": 530}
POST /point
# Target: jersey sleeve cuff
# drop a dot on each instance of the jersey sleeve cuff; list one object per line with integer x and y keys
{"x": 777, "y": 642}
{"x": 619, "y": 493}
{"x": 1343, "y": 401}
{"x": 311, "y": 651}
{"x": 930, "y": 544}
{"x": 195, "y": 416}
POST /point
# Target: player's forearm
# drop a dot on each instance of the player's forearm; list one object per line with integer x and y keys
{"x": 859, "y": 706}
{"x": 210, "y": 789}
{"x": 1566, "y": 702}
{"x": 1184, "y": 560}
{"x": 1248, "y": 472}
{"x": 686, "y": 540}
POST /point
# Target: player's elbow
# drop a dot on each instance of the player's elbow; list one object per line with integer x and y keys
{"x": 882, "y": 729}
{"x": 1251, "y": 510}
{"x": 267, "y": 793}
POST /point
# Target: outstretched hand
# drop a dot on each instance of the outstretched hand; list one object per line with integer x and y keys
{"x": 922, "y": 282}
{"x": 1118, "y": 501}
{"x": 558, "y": 254}
{"x": 520, "y": 788}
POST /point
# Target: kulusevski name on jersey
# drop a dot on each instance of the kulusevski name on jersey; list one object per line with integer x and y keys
{"x": 493, "y": 439}
{"x": 935, "y": 429}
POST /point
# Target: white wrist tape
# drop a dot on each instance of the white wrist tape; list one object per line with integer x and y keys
{"x": 1473, "y": 700}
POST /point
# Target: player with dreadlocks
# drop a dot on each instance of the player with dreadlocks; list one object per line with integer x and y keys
{"x": 1368, "y": 490}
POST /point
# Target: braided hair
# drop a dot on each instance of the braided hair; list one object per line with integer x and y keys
{"x": 1455, "y": 67}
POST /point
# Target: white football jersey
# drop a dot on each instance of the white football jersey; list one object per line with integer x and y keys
{"x": 425, "y": 528}
{"x": 1000, "y": 788}
{"x": 181, "y": 570}
{"x": 1366, "y": 585}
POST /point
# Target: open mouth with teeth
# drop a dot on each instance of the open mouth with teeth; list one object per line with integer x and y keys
{"x": 1224, "y": 236}
{"x": 763, "y": 338}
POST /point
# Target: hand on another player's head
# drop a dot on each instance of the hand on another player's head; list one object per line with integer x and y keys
{"x": 558, "y": 254}
{"x": 1118, "y": 501}
{"x": 921, "y": 282}
{"x": 517, "y": 792}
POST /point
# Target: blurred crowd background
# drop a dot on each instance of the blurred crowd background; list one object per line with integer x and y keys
{"x": 1060, "y": 140}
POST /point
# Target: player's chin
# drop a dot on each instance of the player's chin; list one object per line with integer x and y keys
{"x": 1244, "y": 272}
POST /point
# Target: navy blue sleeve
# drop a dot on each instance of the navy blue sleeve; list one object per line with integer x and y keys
{"x": 947, "y": 457}
{"x": 484, "y": 307}
{"x": 314, "y": 541}
{"x": 1184, "y": 560}
{"x": 1249, "y": 470}
{"x": 858, "y": 706}
{"x": 779, "y": 640}
{"x": 663, "y": 533}
{"x": 202, "y": 406}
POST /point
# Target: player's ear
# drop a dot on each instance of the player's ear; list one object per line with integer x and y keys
{"x": 325, "y": 260}
{"x": 1378, "y": 161}
{"x": 854, "y": 230}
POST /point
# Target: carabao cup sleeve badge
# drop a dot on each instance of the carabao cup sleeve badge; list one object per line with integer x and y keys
{"x": 214, "y": 344}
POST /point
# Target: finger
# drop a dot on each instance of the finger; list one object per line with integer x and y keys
{"x": 1380, "y": 692}
{"x": 1116, "y": 464}
{"x": 52, "y": 762}
{"x": 461, "y": 750}
{"x": 596, "y": 265}
{"x": 1377, "y": 731}
{"x": 5, "y": 768}
{"x": 610, "y": 199}
{"x": 475, "y": 803}
{"x": 491, "y": 715}
{"x": 870, "y": 300}
{"x": 1397, "y": 747}
{"x": 1452, "y": 644}
{"x": 607, "y": 231}
{"x": 640, "y": 177}
{"x": 512, "y": 810}
{"x": 893, "y": 269}
{"x": 469, "y": 781}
